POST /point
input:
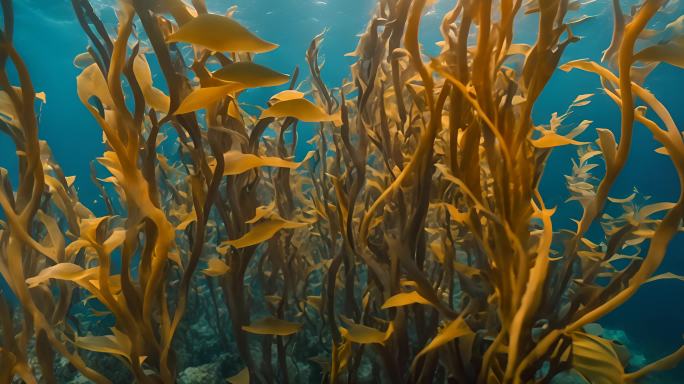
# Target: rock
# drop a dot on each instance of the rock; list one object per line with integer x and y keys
{"x": 203, "y": 374}
{"x": 636, "y": 359}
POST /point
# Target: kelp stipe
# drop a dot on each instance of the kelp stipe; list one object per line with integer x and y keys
{"x": 413, "y": 244}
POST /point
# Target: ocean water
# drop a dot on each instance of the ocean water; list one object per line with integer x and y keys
{"x": 48, "y": 37}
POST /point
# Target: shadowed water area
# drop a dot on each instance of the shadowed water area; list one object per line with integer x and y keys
{"x": 336, "y": 191}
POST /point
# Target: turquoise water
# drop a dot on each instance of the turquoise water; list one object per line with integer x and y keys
{"x": 48, "y": 37}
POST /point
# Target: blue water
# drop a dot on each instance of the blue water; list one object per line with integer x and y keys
{"x": 48, "y": 38}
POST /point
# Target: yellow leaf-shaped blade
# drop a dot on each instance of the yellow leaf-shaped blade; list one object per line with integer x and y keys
{"x": 671, "y": 53}
{"x": 288, "y": 94}
{"x": 83, "y": 59}
{"x": 61, "y": 271}
{"x": 8, "y": 113}
{"x": 455, "y": 329}
{"x": 263, "y": 231}
{"x": 220, "y": 33}
{"x": 261, "y": 212}
{"x": 596, "y": 359}
{"x": 202, "y": 97}
{"x": 646, "y": 211}
{"x": 90, "y": 83}
{"x": 551, "y": 139}
{"x": 437, "y": 249}
{"x": 216, "y": 267}
{"x": 88, "y": 228}
{"x": 582, "y": 100}
{"x": 666, "y": 276}
{"x": 118, "y": 344}
{"x": 114, "y": 282}
{"x": 251, "y": 75}
{"x": 237, "y": 162}
{"x": 242, "y": 377}
{"x": 519, "y": 49}
{"x": 405, "y": 298}
{"x": 662, "y": 151}
{"x": 301, "y": 109}
{"x": 622, "y": 200}
{"x": 189, "y": 218}
{"x": 104, "y": 344}
{"x": 316, "y": 302}
{"x": 141, "y": 70}
{"x": 272, "y": 326}
{"x": 361, "y": 334}
{"x": 340, "y": 358}
{"x": 153, "y": 96}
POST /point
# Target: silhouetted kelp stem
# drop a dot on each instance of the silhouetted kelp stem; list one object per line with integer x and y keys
{"x": 103, "y": 44}
{"x": 668, "y": 226}
{"x": 20, "y": 210}
{"x": 614, "y": 166}
{"x": 154, "y": 267}
{"x": 672, "y": 140}
{"x": 140, "y": 204}
{"x": 536, "y": 83}
{"x": 658, "y": 245}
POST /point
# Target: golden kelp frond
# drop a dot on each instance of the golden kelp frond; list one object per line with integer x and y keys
{"x": 455, "y": 329}
{"x": 237, "y": 162}
{"x": 413, "y": 242}
{"x": 300, "y": 109}
{"x": 288, "y": 94}
{"x": 61, "y": 271}
{"x": 154, "y": 97}
{"x": 251, "y": 75}
{"x": 241, "y": 378}
{"x": 8, "y": 113}
{"x": 118, "y": 344}
{"x": 404, "y": 298}
{"x": 670, "y": 53}
{"x": 203, "y": 97}
{"x": 361, "y": 334}
{"x": 220, "y": 33}
{"x": 262, "y": 231}
{"x": 216, "y": 267}
{"x": 272, "y": 326}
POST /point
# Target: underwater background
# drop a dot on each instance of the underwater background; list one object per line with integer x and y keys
{"x": 48, "y": 37}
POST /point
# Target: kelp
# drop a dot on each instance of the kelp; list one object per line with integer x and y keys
{"x": 414, "y": 239}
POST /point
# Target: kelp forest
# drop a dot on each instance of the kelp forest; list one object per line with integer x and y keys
{"x": 412, "y": 244}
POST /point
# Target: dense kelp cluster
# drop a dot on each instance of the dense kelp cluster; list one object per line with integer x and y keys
{"x": 411, "y": 245}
